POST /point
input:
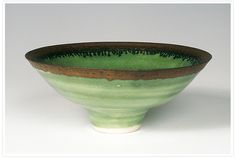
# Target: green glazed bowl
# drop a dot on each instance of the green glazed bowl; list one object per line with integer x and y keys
{"x": 118, "y": 82}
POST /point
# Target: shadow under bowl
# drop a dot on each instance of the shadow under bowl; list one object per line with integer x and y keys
{"x": 118, "y": 82}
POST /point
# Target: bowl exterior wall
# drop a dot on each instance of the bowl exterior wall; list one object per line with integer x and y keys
{"x": 117, "y": 103}
{"x": 117, "y": 94}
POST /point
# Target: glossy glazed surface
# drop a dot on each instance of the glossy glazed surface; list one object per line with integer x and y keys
{"x": 117, "y": 103}
{"x": 126, "y": 60}
{"x": 118, "y": 82}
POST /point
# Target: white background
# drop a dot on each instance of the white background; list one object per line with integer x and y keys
{"x": 39, "y": 121}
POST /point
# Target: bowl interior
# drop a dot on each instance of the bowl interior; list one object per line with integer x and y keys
{"x": 119, "y": 59}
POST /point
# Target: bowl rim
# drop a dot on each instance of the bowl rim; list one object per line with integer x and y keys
{"x": 111, "y": 74}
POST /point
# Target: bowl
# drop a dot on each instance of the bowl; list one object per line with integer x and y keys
{"x": 118, "y": 82}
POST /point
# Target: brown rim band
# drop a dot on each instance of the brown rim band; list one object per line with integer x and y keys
{"x": 203, "y": 56}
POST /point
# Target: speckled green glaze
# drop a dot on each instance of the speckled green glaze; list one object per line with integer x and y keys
{"x": 117, "y": 103}
{"x": 118, "y": 82}
{"x": 124, "y": 60}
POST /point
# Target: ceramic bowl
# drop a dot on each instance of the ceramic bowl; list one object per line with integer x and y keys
{"x": 118, "y": 82}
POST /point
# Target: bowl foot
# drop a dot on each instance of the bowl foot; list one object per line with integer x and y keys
{"x": 116, "y": 120}
{"x": 117, "y": 130}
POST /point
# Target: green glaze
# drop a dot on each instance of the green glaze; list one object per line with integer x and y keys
{"x": 125, "y": 61}
{"x": 117, "y": 103}
{"x": 118, "y": 82}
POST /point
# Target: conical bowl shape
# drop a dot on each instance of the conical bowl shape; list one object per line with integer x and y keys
{"x": 118, "y": 82}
